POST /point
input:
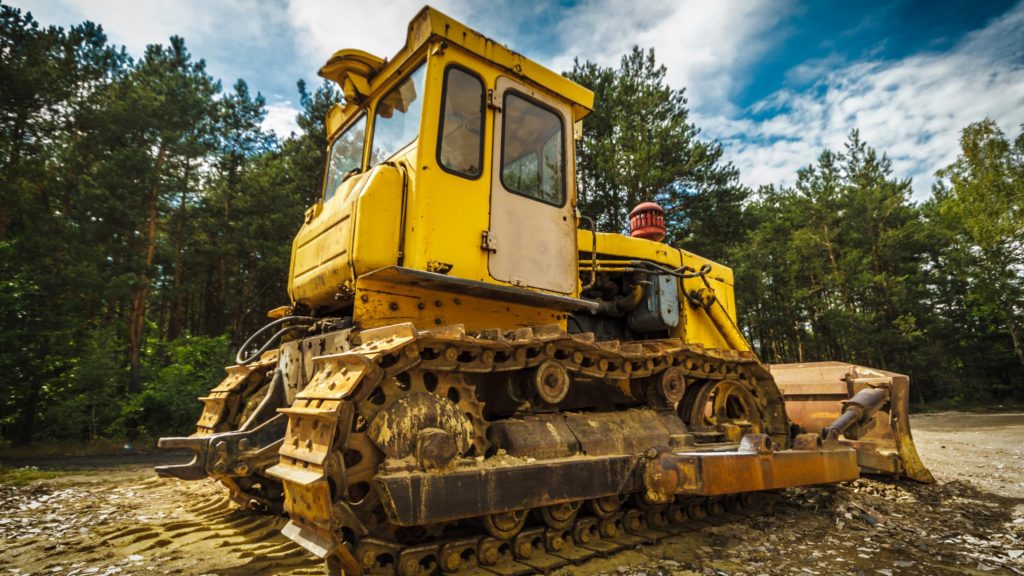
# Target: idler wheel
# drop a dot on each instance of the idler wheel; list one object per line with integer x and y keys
{"x": 670, "y": 386}
{"x": 505, "y": 525}
{"x": 551, "y": 382}
{"x": 559, "y": 516}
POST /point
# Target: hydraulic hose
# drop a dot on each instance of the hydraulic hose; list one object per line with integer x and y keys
{"x": 301, "y": 323}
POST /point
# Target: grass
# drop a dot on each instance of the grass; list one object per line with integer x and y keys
{"x": 27, "y": 474}
{"x": 978, "y": 406}
{"x": 49, "y": 450}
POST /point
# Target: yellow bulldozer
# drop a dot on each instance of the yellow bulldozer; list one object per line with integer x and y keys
{"x": 471, "y": 379}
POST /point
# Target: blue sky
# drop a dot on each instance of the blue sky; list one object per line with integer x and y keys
{"x": 775, "y": 81}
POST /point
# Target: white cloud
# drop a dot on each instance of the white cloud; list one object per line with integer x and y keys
{"x": 912, "y": 108}
{"x": 134, "y": 24}
{"x": 325, "y": 26}
{"x": 281, "y": 119}
{"x": 248, "y": 39}
{"x": 706, "y": 46}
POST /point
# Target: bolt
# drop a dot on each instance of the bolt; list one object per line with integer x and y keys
{"x": 458, "y": 301}
{"x": 410, "y": 566}
{"x": 524, "y": 549}
{"x": 451, "y": 562}
{"x": 421, "y": 305}
{"x": 489, "y": 556}
{"x": 393, "y": 306}
{"x": 364, "y": 298}
{"x": 244, "y": 444}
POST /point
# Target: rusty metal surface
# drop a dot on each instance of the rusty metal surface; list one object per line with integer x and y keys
{"x": 817, "y": 392}
{"x": 754, "y": 466}
{"x": 331, "y": 464}
{"x": 393, "y": 437}
{"x": 238, "y": 453}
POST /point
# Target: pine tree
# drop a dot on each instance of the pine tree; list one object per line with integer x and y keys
{"x": 640, "y": 145}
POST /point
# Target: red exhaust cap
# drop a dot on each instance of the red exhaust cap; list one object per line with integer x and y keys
{"x": 647, "y": 221}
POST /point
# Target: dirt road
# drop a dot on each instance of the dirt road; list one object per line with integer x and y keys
{"x": 112, "y": 518}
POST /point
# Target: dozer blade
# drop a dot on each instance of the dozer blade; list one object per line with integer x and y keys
{"x": 818, "y": 394}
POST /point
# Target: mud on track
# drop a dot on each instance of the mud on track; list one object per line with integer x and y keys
{"x": 110, "y": 518}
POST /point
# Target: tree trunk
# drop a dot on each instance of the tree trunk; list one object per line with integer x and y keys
{"x": 27, "y": 419}
{"x": 17, "y": 140}
{"x": 175, "y": 320}
{"x": 1018, "y": 341}
{"x": 137, "y": 319}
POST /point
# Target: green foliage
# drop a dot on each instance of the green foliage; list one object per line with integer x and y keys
{"x": 182, "y": 370}
{"x": 144, "y": 214}
{"x": 639, "y": 145}
{"x": 843, "y": 266}
{"x": 977, "y": 212}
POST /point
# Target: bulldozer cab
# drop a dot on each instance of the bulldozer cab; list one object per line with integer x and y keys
{"x": 453, "y": 158}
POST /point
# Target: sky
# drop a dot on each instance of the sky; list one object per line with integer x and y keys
{"x": 775, "y": 81}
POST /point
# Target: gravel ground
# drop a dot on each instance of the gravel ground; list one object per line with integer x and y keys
{"x": 109, "y": 518}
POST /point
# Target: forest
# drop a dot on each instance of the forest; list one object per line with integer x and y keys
{"x": 146, "y": 219}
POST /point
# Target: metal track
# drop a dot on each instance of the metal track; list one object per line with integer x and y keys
{"x": 225, "y": 409}
{"x": 328, "y": 463}
{"x": 605, "y": 528}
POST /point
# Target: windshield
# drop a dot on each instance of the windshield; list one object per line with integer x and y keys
{"x": 346, "y": 155}
{"x": 398, "y": 117}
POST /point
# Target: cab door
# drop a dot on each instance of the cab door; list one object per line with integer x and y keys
{"x": 531, "y": 240}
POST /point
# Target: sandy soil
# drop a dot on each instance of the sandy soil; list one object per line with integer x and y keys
{"x": 111, "y": 517}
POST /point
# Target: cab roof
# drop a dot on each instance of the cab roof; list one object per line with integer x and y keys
{"x": 359, "y": 73}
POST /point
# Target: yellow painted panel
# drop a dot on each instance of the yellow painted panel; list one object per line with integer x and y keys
{"x": 696, "y": 327}
{"x": 378, "y": 220}
{"x": 447, "y": 212}
{"x": 326, "y": 248}
{"x": 320, "y": 251}
{"x": 381, "y": 303}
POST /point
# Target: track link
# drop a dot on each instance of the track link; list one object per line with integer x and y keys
{"x": 226, "y": 409}
{"x": 328, "y": 464}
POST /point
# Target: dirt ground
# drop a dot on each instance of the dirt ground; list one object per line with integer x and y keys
{"x": 110, "y": 517}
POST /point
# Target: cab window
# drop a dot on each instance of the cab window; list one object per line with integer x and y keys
{"x": 396, "y": 122}
{"x": 532, "y": 157}
{"x": 461, "y": 146}
{"x": 346, "y": 155}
